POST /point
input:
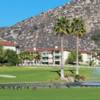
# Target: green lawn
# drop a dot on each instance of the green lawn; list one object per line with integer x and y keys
{"x": 52, "y": 94}
{"x": 25, "y": 74}
{"x": 45, "y": 74}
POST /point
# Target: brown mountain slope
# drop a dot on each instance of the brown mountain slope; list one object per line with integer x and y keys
{"x": 38, "y": 31}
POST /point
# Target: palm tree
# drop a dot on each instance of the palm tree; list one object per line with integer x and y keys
{"x": 62, "y": 27}
{"x": 79, "y": 30}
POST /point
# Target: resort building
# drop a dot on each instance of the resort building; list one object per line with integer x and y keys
{"x": 86, "y": 56}
{"x": 89, "y": 56}
{"x": 52, "y": 55}
{"x": 8, "y": 45}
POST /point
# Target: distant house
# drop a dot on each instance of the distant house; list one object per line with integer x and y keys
{"x": 98, "y": 60}
{"x": 86, "y": 56}
{"x": 89, "y": 56}
{"x": 8, "y": 45}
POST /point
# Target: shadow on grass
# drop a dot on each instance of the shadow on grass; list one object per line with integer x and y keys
{"x": 72, "y": 72}
{"x": 56, "y": 71}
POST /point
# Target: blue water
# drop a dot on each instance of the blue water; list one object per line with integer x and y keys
{"x": 96, "y": 71}
{"x": 91, "y": 83}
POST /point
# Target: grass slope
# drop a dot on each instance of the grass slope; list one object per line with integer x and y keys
{"x": 25, "y": 74}
{"x": 52, "y": 94}
{"x": 45, "y": 74}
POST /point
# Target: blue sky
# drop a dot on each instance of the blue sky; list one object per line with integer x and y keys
{"x": 13, "y": 11}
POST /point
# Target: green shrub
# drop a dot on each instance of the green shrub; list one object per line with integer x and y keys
{"x": 72, "y": 58}
{"x": 11, "y": 57}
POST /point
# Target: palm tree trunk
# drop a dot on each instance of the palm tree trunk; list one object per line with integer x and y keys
{"x": 77, "y": 56}
{"x": 62, "y": 63}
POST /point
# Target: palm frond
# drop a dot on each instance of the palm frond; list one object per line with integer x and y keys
{"x": 62, "y": 26}
{"x": 78, "y": 27}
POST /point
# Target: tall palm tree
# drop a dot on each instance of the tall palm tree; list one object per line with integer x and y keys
{"x": 79, "y": 30}
{"x": 62, "y": 27}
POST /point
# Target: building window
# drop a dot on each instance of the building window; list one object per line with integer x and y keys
{"x": 57, "y": 62}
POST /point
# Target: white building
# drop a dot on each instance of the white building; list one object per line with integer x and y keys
{"x": 88, "y": 56}
{"x": 52, "y": 55}
{"x": 8, "y": 45}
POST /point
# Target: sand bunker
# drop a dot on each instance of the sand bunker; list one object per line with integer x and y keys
{"x": 7, "y": 76}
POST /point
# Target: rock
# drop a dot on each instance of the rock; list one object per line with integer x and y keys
{"x": 37, "y": 31}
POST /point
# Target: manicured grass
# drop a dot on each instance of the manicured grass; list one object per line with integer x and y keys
{"x": 44, "y": 74}
{"x": 91, "y": 74}
{"x": 52, "y": 94}
{"x": 25, "y": 74}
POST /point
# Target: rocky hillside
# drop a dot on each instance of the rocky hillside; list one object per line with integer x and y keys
{"x": 37, "y": 31}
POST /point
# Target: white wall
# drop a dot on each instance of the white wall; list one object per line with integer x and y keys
{"x": 51, "y": 56}
{"x": 65, "y": 55}
{"x": 10, "y": 48}
{"x": 86, "y": 57}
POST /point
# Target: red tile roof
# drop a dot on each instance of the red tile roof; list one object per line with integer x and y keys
{"x": 7, "y": 43}
{"x": 88, "y": 52}
{"x": 45, "y": 49}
